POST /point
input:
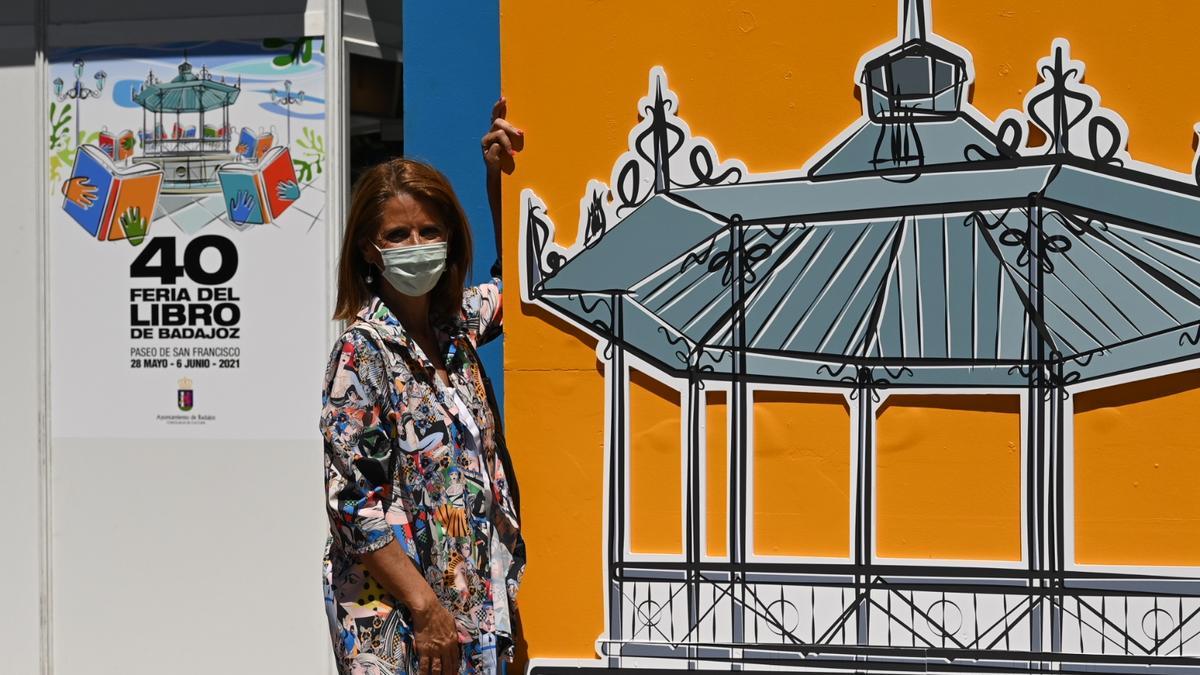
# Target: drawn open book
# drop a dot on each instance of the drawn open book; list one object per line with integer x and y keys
{"x": 258, "y": 193}
{"x": 253, "y": 147}
{"x": 118, "y": 147}
{"x": 99, "y": 193}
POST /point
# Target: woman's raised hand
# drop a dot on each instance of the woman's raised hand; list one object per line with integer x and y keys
{"x": 435, "y": 637}
{"x": 502, "y": 141}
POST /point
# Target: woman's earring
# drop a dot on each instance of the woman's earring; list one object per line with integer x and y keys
{"x": 370, "y": 279}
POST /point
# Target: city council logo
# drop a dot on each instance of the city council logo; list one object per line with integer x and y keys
{"x": 186, "y": 399}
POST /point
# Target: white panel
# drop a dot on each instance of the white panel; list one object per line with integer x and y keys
{"x": 168, "y": 556}
{"x": 107, "y": 22}
{"x": 373, "y": 27}
{"x": 20, "y": 305}
{"x": 188, "y": 558}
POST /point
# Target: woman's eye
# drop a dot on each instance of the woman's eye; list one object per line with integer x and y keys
{"x": 431, "y": 233}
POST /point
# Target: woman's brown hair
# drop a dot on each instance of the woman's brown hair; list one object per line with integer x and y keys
{"x": 372, "y": 190}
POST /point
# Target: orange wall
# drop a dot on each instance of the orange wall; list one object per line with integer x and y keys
{"x": 769, "y": 83}
{"x": 801, "y": 475}
{"x": 655, "y": 446}
{"x": 716, "y": 484}
{"x": 1138, "y": 508}
{"x": 948, "y": 478}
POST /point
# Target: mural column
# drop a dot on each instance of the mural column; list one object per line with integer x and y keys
{"x": 1044, "y": 437}
{"x": 1055, "y": 437}
{"x": 617, "y": 377}
{"x": 864, "y": 394}
{"x": 739, "y": 422}
{"x": 693, "y": 509}
{"x": 1034, "y": 412}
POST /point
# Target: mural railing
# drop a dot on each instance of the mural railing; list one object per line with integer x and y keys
{"x": 163, "y": 146}
{"x": 992, "y": 619}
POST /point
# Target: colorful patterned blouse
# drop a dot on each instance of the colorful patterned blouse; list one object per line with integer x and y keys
{"x": 405, "y": 461}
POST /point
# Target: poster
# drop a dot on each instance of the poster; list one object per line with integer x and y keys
{"x": 186, "y": 212}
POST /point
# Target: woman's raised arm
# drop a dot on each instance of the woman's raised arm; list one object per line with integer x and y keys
{"x": 500, "y": 145}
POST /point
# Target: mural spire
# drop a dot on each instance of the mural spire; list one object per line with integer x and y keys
{"x": 912, "y": 20}
{"x": 662, "y": 153}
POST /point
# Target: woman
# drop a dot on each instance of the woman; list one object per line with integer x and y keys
{"x": 426, "y": 551}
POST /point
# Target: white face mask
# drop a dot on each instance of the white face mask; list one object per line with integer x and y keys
{"x": 414, "y": 270}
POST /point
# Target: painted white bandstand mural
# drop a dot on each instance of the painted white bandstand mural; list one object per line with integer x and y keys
{"x": 925, "y": 249}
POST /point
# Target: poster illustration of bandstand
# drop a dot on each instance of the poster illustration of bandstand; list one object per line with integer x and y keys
{"x": 926, "y": 250}
{"x": 191, "y": 126}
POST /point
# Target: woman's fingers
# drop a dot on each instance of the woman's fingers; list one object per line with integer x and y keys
{"x": 500, "y": 137}
{"x": 436, "y": 642}
{"x": 515, "y": 136}
{"x": 498, "y": 151}
{"x": 451, "y": 659}
{"x": 497, "y": 158}
{"x": 502, "y": 141}
{"x": 492, "y": 153}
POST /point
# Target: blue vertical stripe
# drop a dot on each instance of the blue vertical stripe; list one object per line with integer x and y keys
{"x": 451, "y": 80}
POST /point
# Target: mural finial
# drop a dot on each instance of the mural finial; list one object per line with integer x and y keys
{"x": 1069, "y": 112}
{"x": 662, "y": 170}
{"x": 912, "y": 20}
{"x": 662, "y": 156}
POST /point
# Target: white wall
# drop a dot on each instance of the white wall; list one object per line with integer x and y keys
{"x": 20, "y": 305}
{"x": 193, "y": 557}
{"x": 180, "y": 557}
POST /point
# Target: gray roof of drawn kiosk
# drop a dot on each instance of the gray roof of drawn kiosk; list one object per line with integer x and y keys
{"x": 925, "y": 247}
{"x": 186, "y": 92}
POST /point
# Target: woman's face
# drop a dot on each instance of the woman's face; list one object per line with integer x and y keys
{"x": 405, "y": 221}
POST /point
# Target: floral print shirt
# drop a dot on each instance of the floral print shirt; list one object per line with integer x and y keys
{"x": 404, "y": 461}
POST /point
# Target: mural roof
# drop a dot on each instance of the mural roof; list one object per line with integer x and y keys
{"x": 926, "y": 243}
{"x": 186, "y": 93}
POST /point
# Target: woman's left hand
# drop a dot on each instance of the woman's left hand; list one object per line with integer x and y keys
{"x": 502, "y": 141}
